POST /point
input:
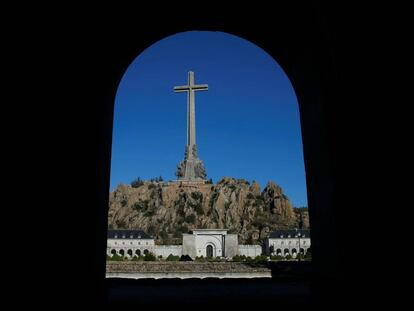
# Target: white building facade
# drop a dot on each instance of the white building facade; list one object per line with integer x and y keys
{"x": 210, "y": 243}
{"x": 288, "y": 242}
{"x": 129, "y": 243}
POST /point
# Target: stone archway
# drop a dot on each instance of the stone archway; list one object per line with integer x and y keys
{"x": 129, "y": 252}
{"x": 138, "y": 252}
{"x": 300, "y": 74}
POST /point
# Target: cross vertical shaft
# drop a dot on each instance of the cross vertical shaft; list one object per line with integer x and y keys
{"x": 190, "y": 88}
{"x": 191, "y": 147}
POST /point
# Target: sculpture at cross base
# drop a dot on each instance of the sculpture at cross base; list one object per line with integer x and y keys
{"x": 191, "y": 168}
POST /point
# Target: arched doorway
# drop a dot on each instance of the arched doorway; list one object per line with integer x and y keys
{"x": 138, "y": 252}
{"x": 113, "y": 252}
{"x": 129, "y": 252}
{"x": 209, "y": 251}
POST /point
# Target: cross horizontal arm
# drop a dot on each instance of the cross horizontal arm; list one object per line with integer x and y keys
{"x": 183, "y": 88}
{"x": 200, "y": 87}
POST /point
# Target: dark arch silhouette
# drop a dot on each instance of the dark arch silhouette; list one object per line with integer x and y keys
{"x": 138, "y": 252}
{"x": 129, "y": 252}
{"x": 113, "y": 251}
{"x": 146, "y": 251}
{"x": 309, "y": 68}
{"x": 121, "y": 252}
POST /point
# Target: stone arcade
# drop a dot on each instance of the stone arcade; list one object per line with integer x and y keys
{"x": 207, "y": 243}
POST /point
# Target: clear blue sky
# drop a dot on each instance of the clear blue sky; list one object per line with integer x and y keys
{"x": 247, "y": 123}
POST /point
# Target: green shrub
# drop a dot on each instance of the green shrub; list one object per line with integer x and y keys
{"x": 115, "y": 257}
{"x": 237, "y": 258}
{"x": 288, "y": 257}
{"x": 149, "y": 257}
{"x": 249, "y": 259}
{"x": 199, "y": 209}
{"x": 137, "y": 182}
{"x": 185, "y": 258}
{"x": 171, "y": 257}
{"x": 163, "y": 234}
{"x": 300, "y": 256}
{"x": 140, "y": 205}
{"x": 149, "y": 213}
{"x": 260, "y": 258}
{"x": 197, "y": 195}
{"x": 138, "y": 258}
{"x": 276, "y": 257}
{"x": 190, "y": 218}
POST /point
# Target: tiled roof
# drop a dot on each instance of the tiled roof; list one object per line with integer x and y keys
{"x": 279, "y": 234}
{"x": 128, "y": 234}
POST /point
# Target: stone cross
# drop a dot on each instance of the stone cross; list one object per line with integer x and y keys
{"x": 191, "y": 168}
{"x": 190, "y": 88}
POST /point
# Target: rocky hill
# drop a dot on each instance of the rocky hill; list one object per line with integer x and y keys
{"x": 167, "y": 209}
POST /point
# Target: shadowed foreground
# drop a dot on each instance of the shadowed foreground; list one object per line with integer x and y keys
{"x": 289, "y": 286}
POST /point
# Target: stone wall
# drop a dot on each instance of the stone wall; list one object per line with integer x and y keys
{"x": 250, "y": 250}
{"x": 231, "y": 245}
{"x": 166, "y": 250}
{"x": 180, "y": 266}
{"x": 183, "y": 270}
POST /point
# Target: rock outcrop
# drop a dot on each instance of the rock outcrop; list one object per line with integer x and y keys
{"x": 167, "y": 209}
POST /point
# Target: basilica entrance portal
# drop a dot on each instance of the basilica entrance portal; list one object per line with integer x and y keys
{"x": 209, "y": 251}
